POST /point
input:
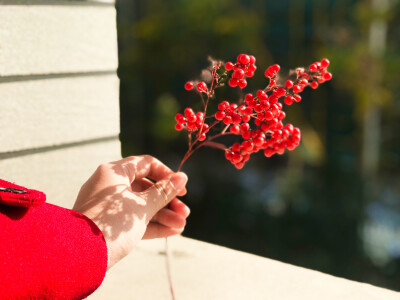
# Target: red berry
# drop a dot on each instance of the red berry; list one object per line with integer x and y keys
{"x": 246, "y": 118}
{"x": 242, "y": 83}
{"x": 248, "y": 97}
{"x": 201, "y": 86}
{"x": 269, "y": 115}
{"x": 236, "y": 147}
{"x": 295, "y": 138}
{"x": 264, "y": 127}
{"x": 229, "y": 66}
{"x": 314, "y": 85}
{"x": 219, "y": 115}
{"x": 297, "y": 98}
{"x": 244, "y": 127}
{"x": 289, "y": 84}
{"x": 233, "y": 82}
{"x": 289, "y": 127}
{"x": 325, "y": 62}
{"x": 188, "y": 112}
{"x": 280, "y": 91}
{"x": 313, "y": 68}
{"x": 288, "y": 100}
{"x": 246, "y": 135}
{"x": 276, "y": 68}
{"x": 223, "y": 105}
{"x": 235, "y": 129}
{"x": 188, "y": 86}
{"x": 273, "y": 99}
{"x": 236, "y": 119}
{"x": 239, "y": 165}
{"x": 260, "y": 93}
{"x": 249, "y": 73}
{"x": 269, "y": 152}
{"x": 297, "y": 88}
{"x": 285, "y": 133}
{"x": 202, "y": 137}
{"x": 327, "y": 76}
{"x": 200, "y": 116}
{"x": 252, "y": 68}
{"x": 244, "y": 59}
{"x": 259, "y": 141}
{"x": 180, "y": 118}
{"x": 191, "y": 126}
{"x": 227, "y": 120}
{"x": 236, "y": 158}
{"x": 192, "y": 119}
{"x": 238, "y": 74}
{"x": 228, "y": 155}
{"x": 179, "y": 126}
{"x": 303, "y": 82}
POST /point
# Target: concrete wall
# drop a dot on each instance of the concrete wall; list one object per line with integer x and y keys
{"x": 59, "y": 93}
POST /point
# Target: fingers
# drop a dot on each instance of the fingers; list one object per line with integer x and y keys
{"x": 168, "y": 222}
{"x": 137, "y": 167}
{"x": 143, "y": 184}
{"x": 155, "y": 230}
{"x": 179, "y": 207}
{"x": 162, "y": 192}
{"x": 169, "y": 218}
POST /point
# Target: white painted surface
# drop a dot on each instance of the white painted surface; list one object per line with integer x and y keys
{"x": 45, "y": 39}
{"x": 59, "y": 173}
{"x": 205, "y": 271}
{"x": 49, "y": 112}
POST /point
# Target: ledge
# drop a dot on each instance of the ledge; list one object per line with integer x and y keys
{"x": 206, "y": 271}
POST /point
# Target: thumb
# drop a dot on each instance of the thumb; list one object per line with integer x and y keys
{"x": 162, "y": 192}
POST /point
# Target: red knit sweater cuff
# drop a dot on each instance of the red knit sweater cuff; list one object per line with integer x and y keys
{"x": 49, "y": 252}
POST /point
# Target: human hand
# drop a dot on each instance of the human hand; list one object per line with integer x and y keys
{"x": 124, "y": 202}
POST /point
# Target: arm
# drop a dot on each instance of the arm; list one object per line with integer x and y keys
{"x": 51, "y": 252}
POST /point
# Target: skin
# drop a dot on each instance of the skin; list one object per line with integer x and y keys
{"x": 127, "y": 200}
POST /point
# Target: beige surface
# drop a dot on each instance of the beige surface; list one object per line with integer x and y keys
{"x": 59, "y": 173}
{"x": 56, "y": 111}
{"x": 206, "y": 271}
{"x": 45, "y": 39}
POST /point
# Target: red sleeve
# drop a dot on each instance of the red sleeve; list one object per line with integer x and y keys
{"x": 49, "y": 252}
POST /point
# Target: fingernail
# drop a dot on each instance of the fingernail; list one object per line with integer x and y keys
{"x": 179, "y": 180}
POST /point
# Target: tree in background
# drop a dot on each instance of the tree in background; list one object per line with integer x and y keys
{"x": 309, "y": 207}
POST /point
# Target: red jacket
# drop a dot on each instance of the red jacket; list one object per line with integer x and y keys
{"x": 46, "y": 251}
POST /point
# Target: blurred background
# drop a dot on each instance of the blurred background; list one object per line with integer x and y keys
{"x": 331, "y": 205}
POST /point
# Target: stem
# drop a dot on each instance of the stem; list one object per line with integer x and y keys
{"x": 190, "y": 151}
{"x": 168, "y": 266}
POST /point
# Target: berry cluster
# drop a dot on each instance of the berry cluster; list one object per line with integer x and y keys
{"x": 244, "y": 67}
{"x": 258, "y": 118}
{"x": 192, "y": 122}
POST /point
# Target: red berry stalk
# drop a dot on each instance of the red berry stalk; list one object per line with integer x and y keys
{"x": 257, "y": 119}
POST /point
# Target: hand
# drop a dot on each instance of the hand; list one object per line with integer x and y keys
{"x": 127, "y": 200}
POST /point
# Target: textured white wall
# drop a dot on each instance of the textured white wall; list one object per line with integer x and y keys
{"x": 59, "y": 93}
{"x": 61, "y": 37}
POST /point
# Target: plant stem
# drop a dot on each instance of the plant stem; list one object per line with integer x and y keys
{"x": 188, "y": 153}
{"x": 168, "y": 266}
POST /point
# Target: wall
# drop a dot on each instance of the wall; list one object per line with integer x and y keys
{"x": 59, "y": 93}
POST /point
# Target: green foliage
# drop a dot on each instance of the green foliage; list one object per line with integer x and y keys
{"x": 308, "y": 207}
